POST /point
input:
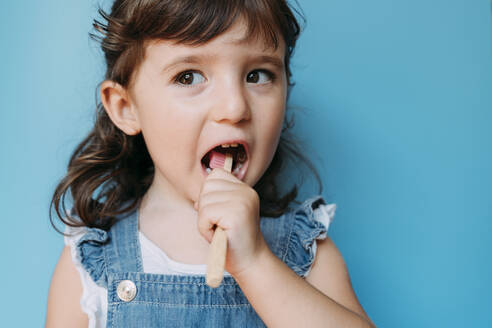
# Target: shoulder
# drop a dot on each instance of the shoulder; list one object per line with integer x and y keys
{"x": 65, "y": 291}
{"x": 330, "y": 276}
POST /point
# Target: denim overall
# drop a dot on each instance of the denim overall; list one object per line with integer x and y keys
{"x": 137, "y": 299}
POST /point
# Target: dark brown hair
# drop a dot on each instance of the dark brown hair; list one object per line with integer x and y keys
{"x": 109, "y": 171}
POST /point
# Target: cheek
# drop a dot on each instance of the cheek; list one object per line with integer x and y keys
{"x": 275, "y": 138}
{"x": 270, "y": 131}
{"x": 170, "y": 134}
{"x": 274, "y": 123}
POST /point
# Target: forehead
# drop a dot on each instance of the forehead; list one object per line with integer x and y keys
{"x": 235, "y": 40}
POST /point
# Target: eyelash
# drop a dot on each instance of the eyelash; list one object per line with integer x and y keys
{"x": 270, "y": 74}
{"x": 180, "y": 75}
{"x": 272, "y": 77}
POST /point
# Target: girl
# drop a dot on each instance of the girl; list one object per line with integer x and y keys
{"x": 185, "y": 79}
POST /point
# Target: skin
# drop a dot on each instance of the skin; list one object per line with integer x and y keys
{"x": 231, "y": 96}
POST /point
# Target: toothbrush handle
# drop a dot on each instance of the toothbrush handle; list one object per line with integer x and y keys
{"x": 216, "y": 258}
{"x": 218, "y": 246}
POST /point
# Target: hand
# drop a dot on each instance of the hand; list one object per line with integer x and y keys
{"x": 233, "y": 205}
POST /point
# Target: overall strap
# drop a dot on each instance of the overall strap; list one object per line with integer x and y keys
{"x": 123, "y": 253}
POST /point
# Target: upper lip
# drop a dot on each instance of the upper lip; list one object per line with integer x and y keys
{"x": 243, "y": 142}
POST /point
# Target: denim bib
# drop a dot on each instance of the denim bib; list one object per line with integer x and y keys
{"x": 138, "y": 299}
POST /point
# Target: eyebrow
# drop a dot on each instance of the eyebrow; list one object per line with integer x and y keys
{"x": 193, "y": 59}
{"x": 275, "y": 61}
{"x": 187, "y": 60}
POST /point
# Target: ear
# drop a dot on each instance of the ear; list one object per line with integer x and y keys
{"x": 119, "y": 108}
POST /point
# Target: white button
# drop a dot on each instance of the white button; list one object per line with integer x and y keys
{"x": 126, "y": 290}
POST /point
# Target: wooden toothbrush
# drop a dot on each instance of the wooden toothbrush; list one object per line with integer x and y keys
{"x": 218, "y": 246}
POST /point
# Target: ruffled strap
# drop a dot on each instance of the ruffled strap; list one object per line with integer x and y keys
{"x": 90, "y": 251}
{"x": 310, "y": 221}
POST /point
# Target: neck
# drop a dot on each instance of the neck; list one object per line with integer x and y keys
{"x": 161, "y": 202}
{"x": 162, "y": 195}
{"x": 170, "y": 222}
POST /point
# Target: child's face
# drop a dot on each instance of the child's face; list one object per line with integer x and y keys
{"x": 190, "y": 99}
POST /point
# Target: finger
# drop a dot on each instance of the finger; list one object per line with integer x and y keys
{"x": 215, "y": 178}
{"x": 205, "y": 227}
{"x": 208, "y": 217}
{"x": 218, "y": 196}
{"x": 220, "y": 173}
{"x": 217, "y": 185}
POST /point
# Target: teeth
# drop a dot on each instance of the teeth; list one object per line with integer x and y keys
{"x": 229, "y": 145}
{"x": 238, "y": 167}
{"x": 208, "y": 170}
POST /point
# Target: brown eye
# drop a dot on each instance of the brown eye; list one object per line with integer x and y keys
{"x": 190, "y": 78}
{"x": 260, "y": 77}
{"x": 186, "y": 78}
{"x": 253, "y": 77}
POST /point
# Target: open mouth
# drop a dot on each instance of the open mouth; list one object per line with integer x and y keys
{"x": 239, "y": 158}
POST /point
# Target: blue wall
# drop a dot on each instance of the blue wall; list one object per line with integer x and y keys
{"x": 396, "y": 99}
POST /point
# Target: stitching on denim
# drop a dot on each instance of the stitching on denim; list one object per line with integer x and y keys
{"x": 174, "y": 305}
{"x": 105, "y": 264}
{"x": 112, "y": 310}
{"x": 174, "y": 283}
{"x": 115, "y": 313}
{"x": 291, "y": 228}
{"x": 136, "y": 241}
{"x": 118, "y": 313}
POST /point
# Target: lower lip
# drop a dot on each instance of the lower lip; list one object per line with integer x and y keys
{"x": 240, "y": 175}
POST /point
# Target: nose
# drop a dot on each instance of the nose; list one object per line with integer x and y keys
{"x": 231, "y": 105}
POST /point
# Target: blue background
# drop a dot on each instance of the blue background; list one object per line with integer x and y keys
{"x": 396, "y": 99}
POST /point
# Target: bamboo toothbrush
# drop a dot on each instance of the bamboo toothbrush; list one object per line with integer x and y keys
{"x": 218, "y": 246}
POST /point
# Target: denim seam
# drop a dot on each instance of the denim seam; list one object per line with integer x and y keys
{"x": 291, "y": 228}
{"x": 176, "y": 283}
{"x": 136, "y": 241}
{"x": 105, "y": 264}
{"x": 112, "y": 307}
{"x": 117, "y": 312}
{"x": 117, "y": 304}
